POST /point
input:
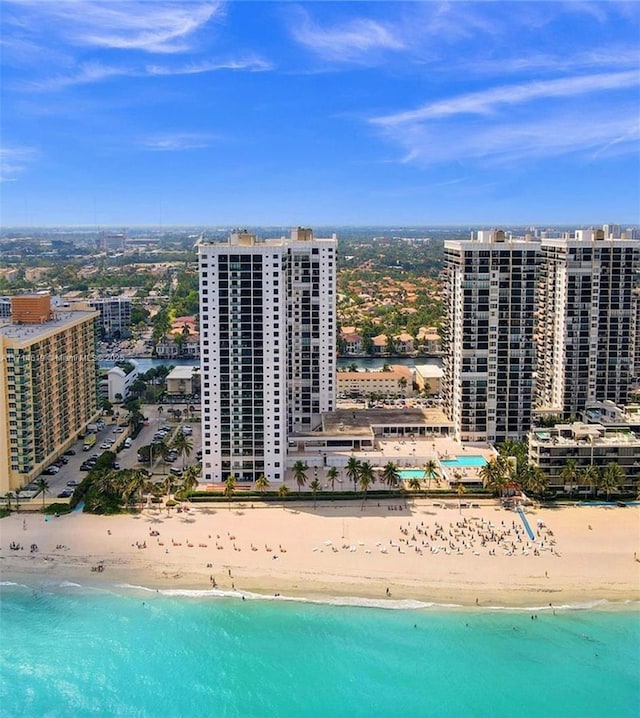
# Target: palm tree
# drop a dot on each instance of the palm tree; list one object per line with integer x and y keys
{"x": 300, "y": 473}
{"x": 161, "y": 452}
{"x": 591, "y": 477}
{"x": 135, "y": 482}
{"x": 262, "y": 484}
{"x": 229, "y": 487}
{"x": 365, "y": 479}
{"x": 390, "y": 475}
{"x": 569, "y": 475}
{"x": 353, "y": 470}
{"x": 183, "y": 445}
{"x": 283, "y": 492}
{"x": 190, "y": 479}
{"x": 495, "y": 474}
{"x": 460, "y": 490}
{"x": 414, "y": 483}
{"x": 534, "y": 480}
{"x": 332, "y": 477}
{"x": 315, "y": 487}
{"x": 43, "y": 485}
{"x": 612, "y": 479}
{"x": 430, "y": 471}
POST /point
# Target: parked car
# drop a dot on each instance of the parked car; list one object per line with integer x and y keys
{"x": 73, "y": 482}
{"x": 64, "y": 459}
{"x": 85, "y": 467}
{"x": 70, "y": 452}
{"x": 127, "y": 443}
{"x": 51, "y": 470}
{"x": 65, "y": 494}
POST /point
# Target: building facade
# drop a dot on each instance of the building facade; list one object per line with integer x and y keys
{"x": 586, "y": 321}
{"x": 115, "y": 316}
{"x": 48, "y": 388}
{"x": 267, "y": 348}
{"x": 587, "y": 445}
{"x": 394, "y": 383}
{"x": 488, "y": 336}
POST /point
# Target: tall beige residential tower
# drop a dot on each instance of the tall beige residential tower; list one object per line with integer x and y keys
{"x": 48, "y": 385}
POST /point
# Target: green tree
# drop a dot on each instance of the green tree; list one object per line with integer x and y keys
{"x": 569, "y": 475}
{"x": 229, "y": 487}
{"x": 315, "y": 487}
{"x": 612, "y": 479}
{"x": 332, "y": 477}
{"x": 353, "y": 470}
{"x": 391, "y": 475}
{"x": 534, "y": 480}
{"x": 430, "y": 471}
{"x": 262, "y": 484}
{"x": 414, "y": 483}
{"x": 365, "y": 479}
{"x": 591, "y": 477}
{"x": 135, "y": 481}
{"x": 300, "y": 473}
{"x": 43, "y": 486}
{"x": 283, "y": 492}
{"x": 190, "y": 479}
{"x": 183, "y": 445}
{"x": 495, "y": 474}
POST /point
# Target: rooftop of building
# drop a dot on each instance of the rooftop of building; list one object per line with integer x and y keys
{"x": 32, "y": 332}
{"x": 579, "y": 433}
{"x": 245, "y": 238}
{"x": 429, "y": 371}
{"x": 396, "y": 371}
{"x": 183, "y": 371}
{"x": 360, "y": 422}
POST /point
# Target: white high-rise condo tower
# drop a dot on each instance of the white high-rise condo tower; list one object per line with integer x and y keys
{"x": 267, "y": 333}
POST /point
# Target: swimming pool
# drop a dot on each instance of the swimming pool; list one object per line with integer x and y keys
{"x": 411, "y": 474}
{"x": 464, "y": 461}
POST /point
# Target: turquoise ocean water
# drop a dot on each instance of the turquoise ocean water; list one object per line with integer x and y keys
{"x": 69, "y": 650}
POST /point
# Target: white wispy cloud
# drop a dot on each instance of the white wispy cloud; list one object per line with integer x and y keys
{"x": 94, "y": 72}
{"x": 597, "y": 133}
{"x": 251, "y": 64}
{"x": 512, "y": 123}
{"x": 353, "y": 40}
{"x": 177, "y": 141}
{"x": 489, "y": 101}
{"x": 155, "y": 27}
{"x": 14, "y": 161}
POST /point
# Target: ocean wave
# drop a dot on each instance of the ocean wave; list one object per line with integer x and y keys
{"x": 601, "y": 603}
{"x": 389, "y": 604}
{"x": 345, "y": 601}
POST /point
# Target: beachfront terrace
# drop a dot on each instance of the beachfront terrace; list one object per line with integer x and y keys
{"x": 587, "y": 445}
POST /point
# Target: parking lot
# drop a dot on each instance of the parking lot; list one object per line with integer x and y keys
{"x": 126, "y": 458}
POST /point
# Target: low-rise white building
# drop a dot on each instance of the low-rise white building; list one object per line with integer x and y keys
{"x": 119, "y": 381}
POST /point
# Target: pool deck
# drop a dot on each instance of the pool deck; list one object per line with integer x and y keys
{"x": 414, "y": 454}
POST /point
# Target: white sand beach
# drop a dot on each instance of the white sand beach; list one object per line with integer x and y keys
{"x": 388, "y": 551}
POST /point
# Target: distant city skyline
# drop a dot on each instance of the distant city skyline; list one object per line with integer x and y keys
{"x": 123, "y": 113}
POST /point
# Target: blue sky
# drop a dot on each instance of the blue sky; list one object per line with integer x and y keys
{"x": 240, "y": 113}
